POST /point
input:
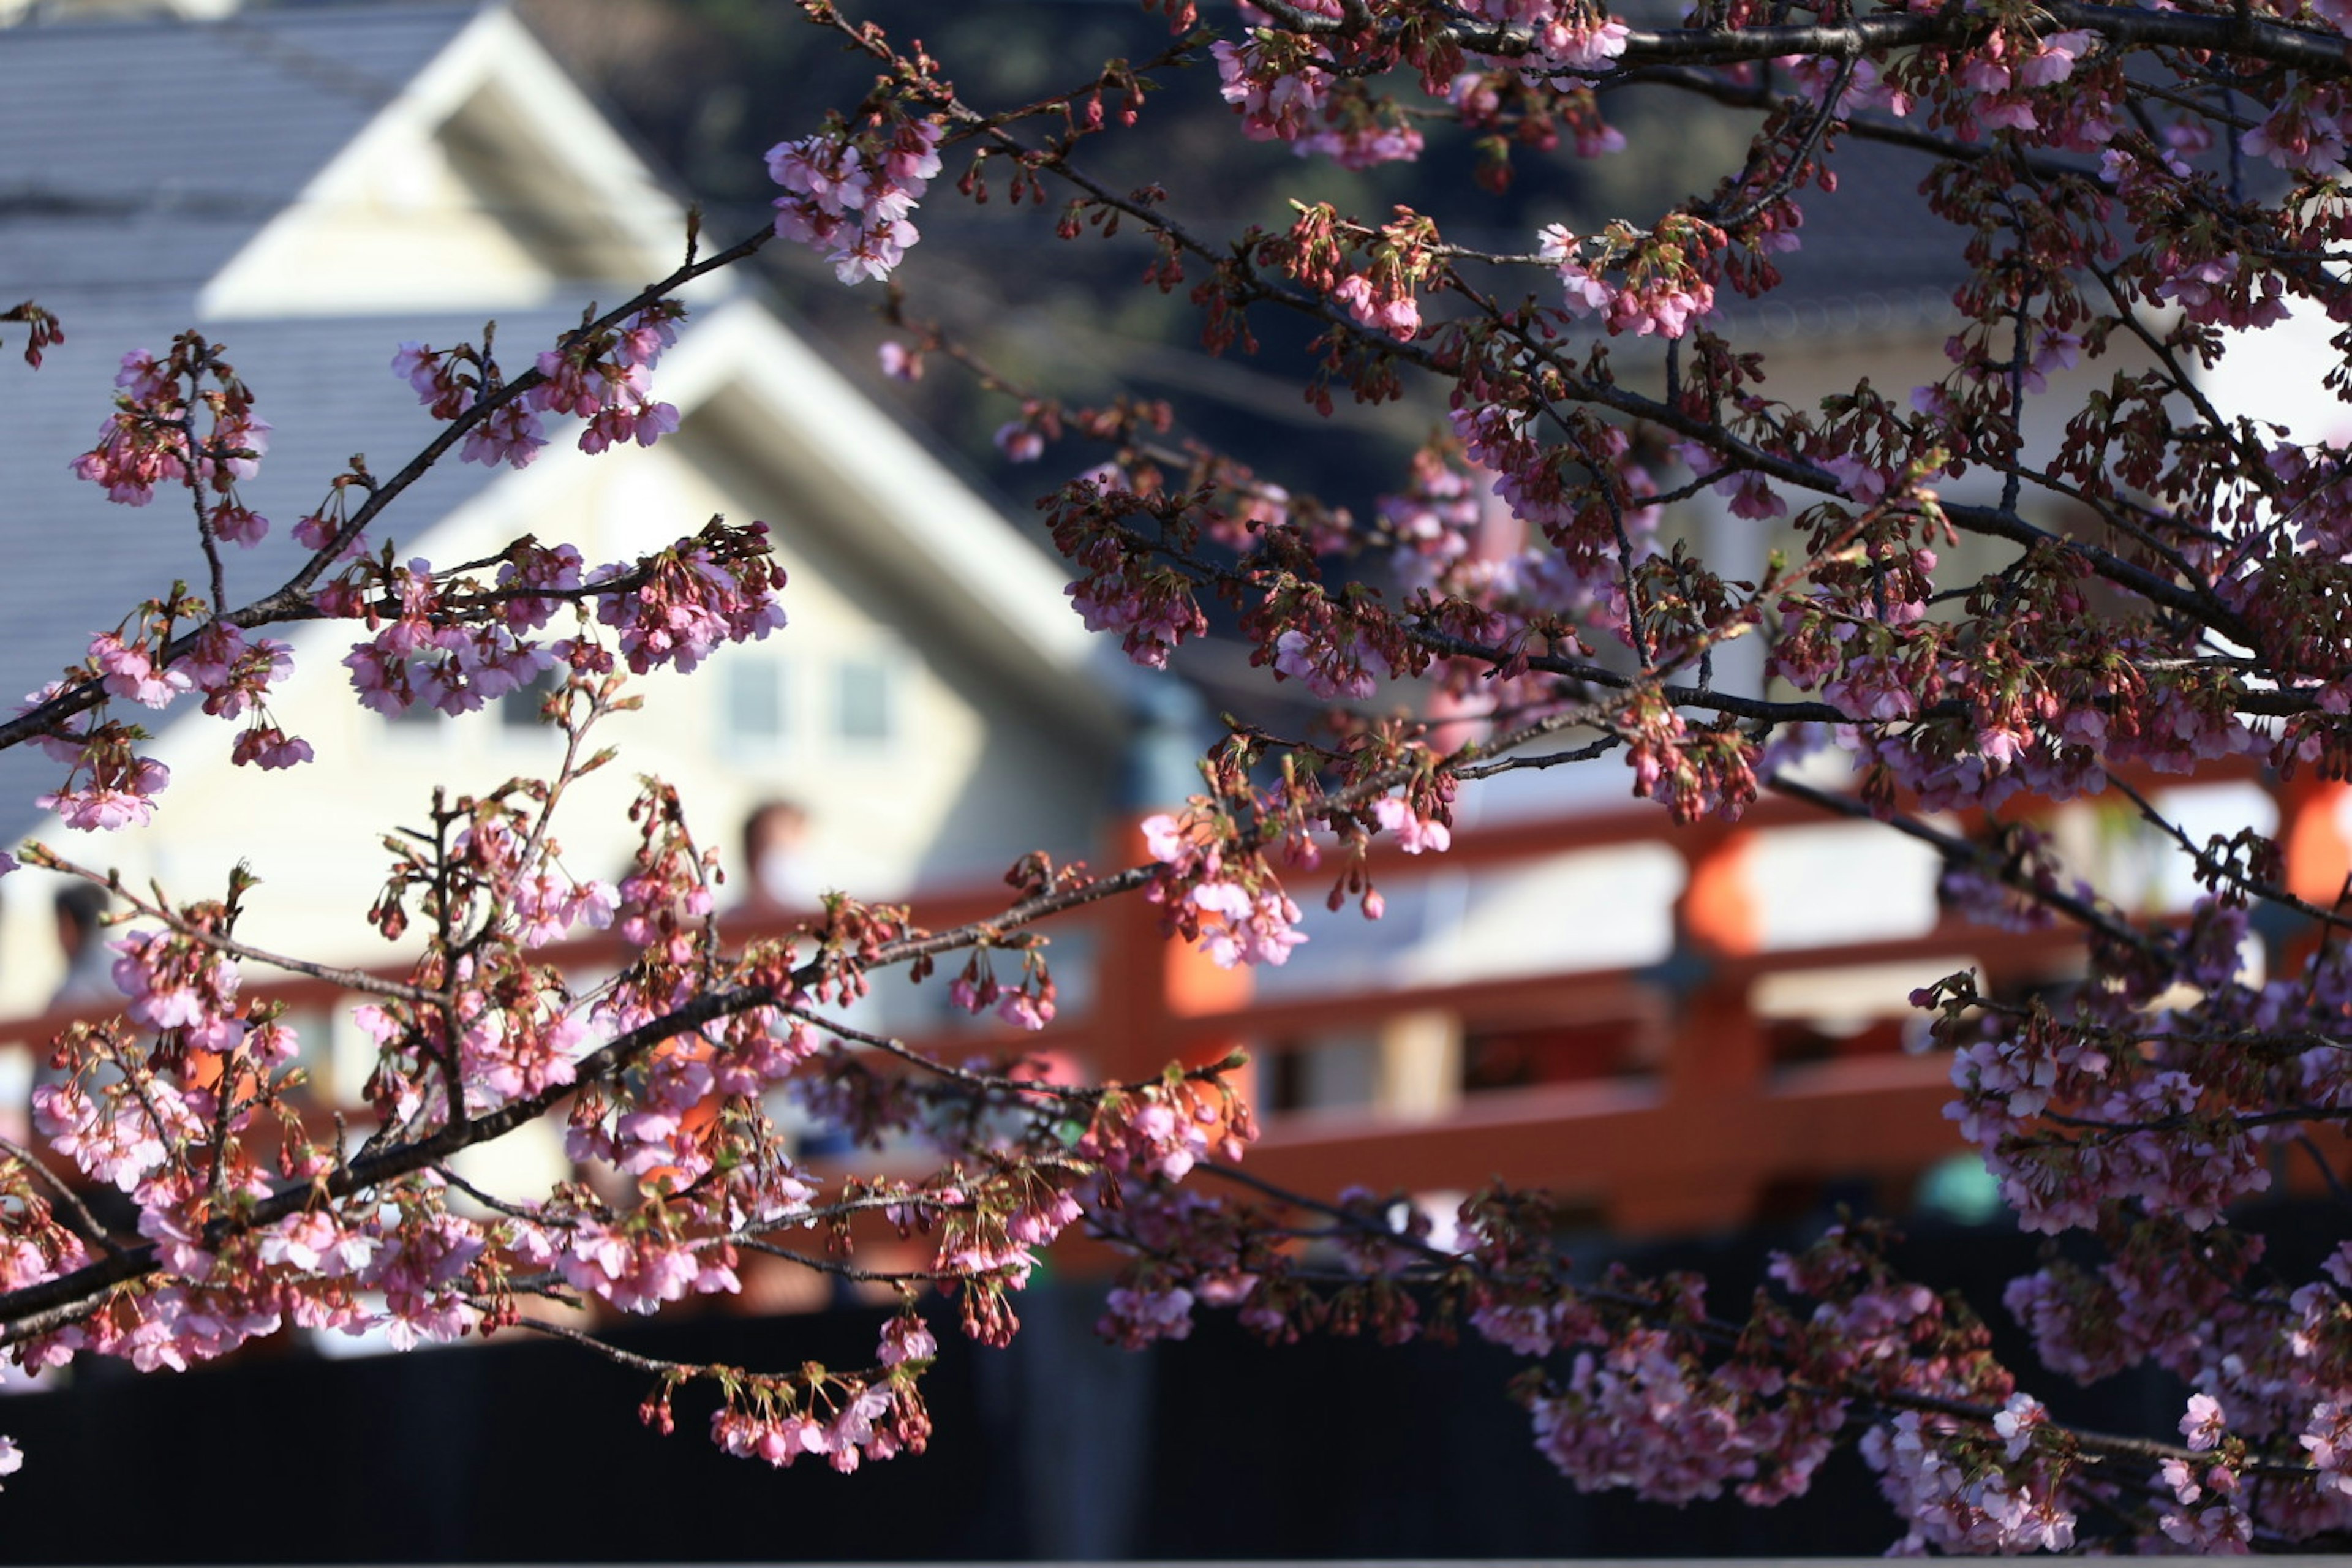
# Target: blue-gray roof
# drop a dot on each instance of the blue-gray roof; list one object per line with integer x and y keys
{"x": 141, "y": 154}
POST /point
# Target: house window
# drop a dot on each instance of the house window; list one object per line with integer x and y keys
{"x": 755, "y": 701}
{"x": 863, "y": 700}
{"x": 417, "y": 719}
{"x": 519, "y": 709}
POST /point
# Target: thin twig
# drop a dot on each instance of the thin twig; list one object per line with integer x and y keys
{"x": 72, "y": 1199}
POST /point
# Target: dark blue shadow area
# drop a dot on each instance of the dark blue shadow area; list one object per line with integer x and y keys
{"x": 1056, "y": 1448}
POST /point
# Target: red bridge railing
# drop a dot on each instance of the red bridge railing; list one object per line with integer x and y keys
{"x": 1677, "y": 1093}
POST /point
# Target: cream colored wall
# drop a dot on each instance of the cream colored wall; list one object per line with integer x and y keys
{"x": 394, "y": 225}
{"x": 968, "y": 780}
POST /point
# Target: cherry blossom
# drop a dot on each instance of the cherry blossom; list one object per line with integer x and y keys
{"x": 852, "y": 193}
{"x": 2057, "y": 567}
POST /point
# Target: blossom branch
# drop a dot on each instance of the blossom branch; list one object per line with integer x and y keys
{"x": 90, "y": 1227}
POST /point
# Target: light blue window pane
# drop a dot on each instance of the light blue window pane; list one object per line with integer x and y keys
{"x": 519, "y": 709}
{"x": 755, "y": 700}
{"x": 864, "y": 698}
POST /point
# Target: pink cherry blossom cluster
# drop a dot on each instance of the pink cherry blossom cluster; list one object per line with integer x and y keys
{"x": 2157, "y": 1125}
{"x": 235, "y": 674}
{"x": 176, "y": 983}
{"x": 450, "y": 382}
{"x": 530, "y": 565}
{"x": 1164, "y": 1130}
{"x": 657, "y": 1134}
{"x": 1432, "y": 519}
{"x": 1237, "y": 913}
{"x": 1152, "y": 608}
{"x": 459, "y": 644}
{"x": 607, "y": 381}
{"x": 2212, "y": 1518}
{"x": 128, "y": 670}
{"x": 548, "y": 906}
{"x": 694, "y": 596}
{"x": 2305, "y": 134}
{"x": 636, "y": 1267}
{"x": 2007, "y": 69}
{"x": 1134, "y": 1317}
{"x": 1275, "y": 81}
{"x": 1027, "y": 1004}
{"x": 1640, "y": 1415}
{"x": 605, "y": 378}
{"x": 1284, "y": 90}
{"x": 1335, "y": 667}
{"x": 667, "y": 893}
{"x": 110, "y": 786}
{"x": 852, "y": 192}
{"x": 840, "y": 1420}
{"x": 423, "y": 654}
{"x": 1962, "y": 1494}
{"x": 1374, "y": 275}
{"x": 1572, "y": 35}
{"x": 1668, "y": 276}
{"x": 2144, "y": 1125}
{"x": 169, "y": 428}
{"x": 118, "y": 1136}
{"x": 1193, "y": 1249}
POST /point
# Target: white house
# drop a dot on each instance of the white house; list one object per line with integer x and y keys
{"x": 311, "y": 186}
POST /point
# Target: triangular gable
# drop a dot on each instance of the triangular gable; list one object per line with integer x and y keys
{"x": 489, "y": 180}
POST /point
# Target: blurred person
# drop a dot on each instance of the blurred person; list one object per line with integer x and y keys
{"x": 776, "y": 864}
{"x": 89, "y": 963}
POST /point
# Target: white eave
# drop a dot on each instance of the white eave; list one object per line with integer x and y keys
{"x": 557, "y": 128}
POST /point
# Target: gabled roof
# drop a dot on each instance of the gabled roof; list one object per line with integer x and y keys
{"x": 272, "y": 159}
{"x": 145, "y": 154}
{"x": 488, "y": 143}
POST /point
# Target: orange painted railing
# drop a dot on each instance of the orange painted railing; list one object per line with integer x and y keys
{"x": 1672, "y": 1097}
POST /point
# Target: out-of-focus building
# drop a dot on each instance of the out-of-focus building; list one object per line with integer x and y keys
{"x": 312, "y": 187}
